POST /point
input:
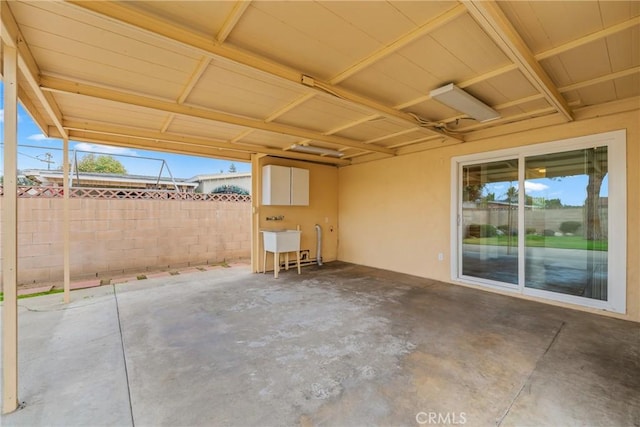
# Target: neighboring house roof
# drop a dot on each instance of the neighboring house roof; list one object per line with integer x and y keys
{"x": 54, "y": 176}
{"x": 219, "y": 176}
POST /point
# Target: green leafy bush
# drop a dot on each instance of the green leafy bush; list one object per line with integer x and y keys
{"x": 482, "y": 230}
{"x": 570, "y": 226}
{"x": 230, "y": 189}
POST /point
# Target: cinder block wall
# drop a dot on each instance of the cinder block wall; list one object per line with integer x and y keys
{"x": 110, "y": 237}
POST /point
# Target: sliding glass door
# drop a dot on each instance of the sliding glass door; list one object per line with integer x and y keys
{"x": 566, "y": 222}
{"x": 547, "y": 220}
{"x": 490, "y": 221}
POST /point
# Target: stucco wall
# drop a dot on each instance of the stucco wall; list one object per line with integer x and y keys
{"x": 395, "y": 213}
{"x": 115, "y": 236}
{"x": 322, "y": 210}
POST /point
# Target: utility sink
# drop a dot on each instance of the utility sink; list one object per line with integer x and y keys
{"x": 280, "y": 241}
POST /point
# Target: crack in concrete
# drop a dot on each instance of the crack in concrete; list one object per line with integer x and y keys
{"x": 124, "y": 355}
{"x": 527, "y": 381}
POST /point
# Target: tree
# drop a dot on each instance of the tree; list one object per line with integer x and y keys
{"x": 101, "y": 164}
{"x": 553, "y": 204}
{"x": 597, "y": 170}
{"x": 232, "y": 168}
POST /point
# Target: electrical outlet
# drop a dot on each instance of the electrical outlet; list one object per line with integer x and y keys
{"x": 440, "y": 256}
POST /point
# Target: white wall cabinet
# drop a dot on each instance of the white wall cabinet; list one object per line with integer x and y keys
{"x": 282, "y": 185}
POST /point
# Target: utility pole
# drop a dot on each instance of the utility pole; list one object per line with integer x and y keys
{"x": 48, "y": 161}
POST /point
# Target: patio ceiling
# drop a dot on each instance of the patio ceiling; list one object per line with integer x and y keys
{"x": 229, "y": 79}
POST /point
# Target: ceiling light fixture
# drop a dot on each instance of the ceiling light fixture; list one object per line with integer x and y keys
{"x": 459, "y": 100}
{"x": 316, "y": 150}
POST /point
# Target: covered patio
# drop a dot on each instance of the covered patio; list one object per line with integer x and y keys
{"x": 340, "y": 345}
{"x": 408, "y": 121}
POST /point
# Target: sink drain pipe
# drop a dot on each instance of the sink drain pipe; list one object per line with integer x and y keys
{"x": 319, "y": 242}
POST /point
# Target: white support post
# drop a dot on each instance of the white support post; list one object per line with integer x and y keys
{"x": 10, "y": 233}
{"x": 66, "y": 226}
{"x": 256, "y": 186}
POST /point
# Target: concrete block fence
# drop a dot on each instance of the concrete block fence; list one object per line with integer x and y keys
{"x": 111, "y": 237}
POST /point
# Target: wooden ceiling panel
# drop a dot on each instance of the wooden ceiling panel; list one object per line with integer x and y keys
{"x": 72, "y": 22}
{"x": 527, "y": 107}
{"x": 421, "y": 54}
{"x": 83, "y": 70}
{"x": 378, "y": 85}
{"x": 624, "y": 49}
{"x": 556, "y": 70}
{"x": 506, "y": 87}
{"x": 423, "y": 11}
{"x": 598, "y": 94}
{"x": 372, "y": 129}
{"x": 586, "y": 62}
{"x": 269, "y": 139}
{"x": 383, "y": 21}
{"x": 465, "y": 40}
{"x": 206, "y": 128}
{"x": 230, "y": 88}
{"x": 614, "y": 12}
{"x": 322, "y": 114}
{"x": 405, "y": 71}
{"x": 205, "y": 17}
{"x": 302, "y": 35}
{"x": 627, "y": 87}
{"x": 547, "y": 24}
{"x": 96, "y": 110}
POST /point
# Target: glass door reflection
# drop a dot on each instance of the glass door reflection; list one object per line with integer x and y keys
{"x": 566, "y": 237}
{"x": 490, "y": 221}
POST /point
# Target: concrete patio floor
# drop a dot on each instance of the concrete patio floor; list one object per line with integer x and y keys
{"x": 339, "y": 345}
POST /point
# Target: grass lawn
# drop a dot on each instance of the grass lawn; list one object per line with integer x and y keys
{"x": 534, "y": 241}
{"x": 53, "y": 291}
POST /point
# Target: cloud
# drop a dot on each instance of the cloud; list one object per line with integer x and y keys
{"x": 84, "y": 146}
{"x": 534, "y": 186}
{"x": 38, "y": 137}
{"x": 1, "y": 115}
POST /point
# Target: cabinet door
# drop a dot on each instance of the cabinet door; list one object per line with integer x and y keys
{"x": 276, "y": 185}
{"x": 299, "y": 187}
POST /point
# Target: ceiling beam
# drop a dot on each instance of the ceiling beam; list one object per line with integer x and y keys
{"x": 193, "y": 79}
{"x": 108, "y": 130}
{"x": 392, "y": 135}
{"x": 399, "y": 43}
{"x": 27, "y": 65}
{"x": 513, "y": 118}
{"x": 234, "y": 16}
{"x": 351, "y": 124}
{"x": 67, "y": 86}
{"x": 33, "y": 111}
{"x": 169, "y": 31}
{"x": 290, "y": 106}
{"x": 589, "y": 38}
{"x": 493, "y": 21}
{"x": 520, "y": 101}
{"x": 145, "y": 144}
{"x": 601, "y": 79}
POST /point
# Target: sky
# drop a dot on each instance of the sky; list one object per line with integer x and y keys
{"x": 35, "y": 150}
{"x": 571, "y": 190}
